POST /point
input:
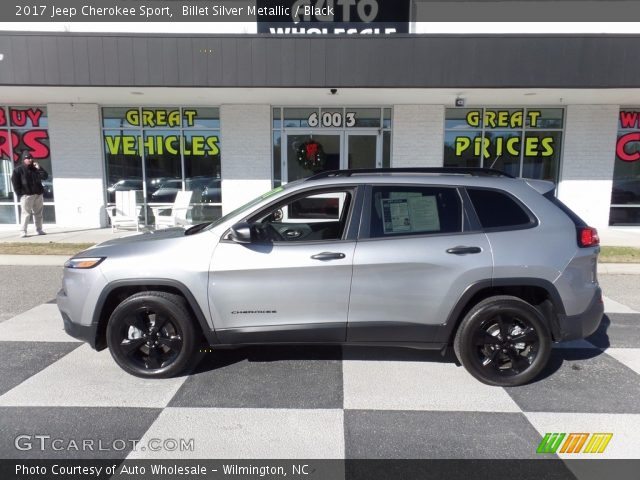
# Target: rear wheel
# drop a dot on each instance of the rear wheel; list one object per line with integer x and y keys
{"x": 503, "y": 341}
{"x": 151, "y": 335}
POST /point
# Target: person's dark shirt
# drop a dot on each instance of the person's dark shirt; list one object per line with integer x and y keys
{"x": 28, "y": 180}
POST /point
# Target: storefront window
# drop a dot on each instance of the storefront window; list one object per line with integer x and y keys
{"x": 457, "y": 151}
{"x": 161, "y": 151}
{"x": 23, "y": 129}
{"x": 524, "y": 142}
{"x": 625, "y": 194}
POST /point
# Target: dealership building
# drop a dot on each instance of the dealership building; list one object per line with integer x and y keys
{"x": 231, "y": 116}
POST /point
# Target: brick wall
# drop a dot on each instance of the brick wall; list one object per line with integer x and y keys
{"x": 418, "y": 136}
{"x": 245, "y": 132}
{"x": 588, "y": 158}
{"x": 77, "y": 164}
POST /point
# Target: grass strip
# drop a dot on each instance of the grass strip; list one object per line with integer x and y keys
{"x": 40, "y": 248}
{"x": 619, "y": 255}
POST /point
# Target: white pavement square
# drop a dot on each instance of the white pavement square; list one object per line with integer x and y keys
{"x": 629, "y": 357}
{"x": 611, "y": 306}
{"x": 249, "y": 433}
{"x": 406, "y": 385}
{"x": 40, "y": 324}
{"x": 87, "y": 378}
{"x": 625, "y": 428}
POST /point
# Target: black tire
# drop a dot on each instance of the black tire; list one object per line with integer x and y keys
{"x": 140, "y": 347}
{"x": 487, "y": 345}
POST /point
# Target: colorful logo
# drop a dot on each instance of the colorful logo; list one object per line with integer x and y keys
{"x": 573, "y": 443}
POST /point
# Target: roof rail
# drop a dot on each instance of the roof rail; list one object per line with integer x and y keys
{"x": 479, "y": 172}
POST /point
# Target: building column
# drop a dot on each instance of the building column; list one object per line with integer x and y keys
{"x": 586, "y": 174}
{"x": 418, "y": 136}
{"x": 245, "y": 132}
{"x": 77, "y": 164}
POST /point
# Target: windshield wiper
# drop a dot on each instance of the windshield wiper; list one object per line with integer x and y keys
{"x": 196, "y": 228}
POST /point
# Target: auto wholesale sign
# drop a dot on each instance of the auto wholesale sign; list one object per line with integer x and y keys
{"x": 333, "y": 17}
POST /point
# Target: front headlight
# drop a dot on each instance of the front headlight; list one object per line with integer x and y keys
{"x": 83, "y": 262}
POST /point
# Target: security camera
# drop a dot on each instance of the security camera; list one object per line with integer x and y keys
{"x": 460, "y": 102}
{"x": 333, "y": 91}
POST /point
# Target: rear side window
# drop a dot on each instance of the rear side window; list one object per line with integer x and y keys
{"x": 498, "y": 210}
{"x": 407, "y": 210}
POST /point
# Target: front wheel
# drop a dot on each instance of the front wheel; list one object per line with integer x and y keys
{"x": 151, "y": 335}
{"x": 503, "y": 341}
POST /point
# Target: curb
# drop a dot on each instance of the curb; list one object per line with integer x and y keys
{"x": 619, "y": 268}
{"x": 33, "y": 260}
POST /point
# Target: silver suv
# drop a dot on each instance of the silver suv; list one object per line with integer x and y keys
{"x": 494, "y": 266}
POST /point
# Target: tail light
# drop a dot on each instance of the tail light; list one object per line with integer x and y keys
{"x": 588, "y": 237}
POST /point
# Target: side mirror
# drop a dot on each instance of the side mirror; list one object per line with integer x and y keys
{"x": 241, "y": 233}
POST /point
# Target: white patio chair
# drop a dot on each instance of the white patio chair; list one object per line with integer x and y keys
{"x": 177, "y": 215}
{"x": 126, "y": 212}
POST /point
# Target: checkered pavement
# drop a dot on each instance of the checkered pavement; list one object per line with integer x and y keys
{"x": 315, "y": 402}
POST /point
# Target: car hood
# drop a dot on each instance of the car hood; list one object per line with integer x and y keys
{"x": 136, "y": 239}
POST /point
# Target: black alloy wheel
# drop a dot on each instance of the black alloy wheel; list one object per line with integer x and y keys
{"x": 507, "y": 344}
{"x": 503, "y": 341}
{"x": 151, "y": 334}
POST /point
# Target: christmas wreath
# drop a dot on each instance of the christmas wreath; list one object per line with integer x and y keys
{"x": 311, "y": 155}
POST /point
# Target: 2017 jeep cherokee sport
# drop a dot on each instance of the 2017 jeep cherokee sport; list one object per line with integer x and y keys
{"x": 424, "y": 258}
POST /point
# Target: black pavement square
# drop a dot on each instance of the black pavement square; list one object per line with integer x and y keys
{"x": 265, "y": 377}
{"x": 384, "y": 434}
{"x": 21, "y": 360}
{"x": 581, "y": 380}
{"x": 618, "y": 330}
{"x": 72, "y": 432}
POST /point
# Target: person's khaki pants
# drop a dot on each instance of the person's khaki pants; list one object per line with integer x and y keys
{"x": 32, "y": 205}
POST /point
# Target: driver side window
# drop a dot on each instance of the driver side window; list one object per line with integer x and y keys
{"x": 312, "y": 217}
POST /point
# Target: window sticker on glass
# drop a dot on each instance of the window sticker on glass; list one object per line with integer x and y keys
{"x": 414, "y": 213}
{"x": 396, "y": 215}
{"x": 404, "y": 195}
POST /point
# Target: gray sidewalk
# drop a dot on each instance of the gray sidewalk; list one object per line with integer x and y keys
{"x": 9, "y": 233}
{"x": 620, "y": 237}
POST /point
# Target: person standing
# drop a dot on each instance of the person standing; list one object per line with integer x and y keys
{"x": 27, "y": 183}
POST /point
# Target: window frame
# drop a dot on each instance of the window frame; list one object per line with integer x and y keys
{"x": 364, "y": 233}
{"x": 533, "y": 220}
{"x": 350, "y": 232}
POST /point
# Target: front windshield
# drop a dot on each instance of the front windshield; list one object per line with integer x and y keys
{"x": 244, "y": 207}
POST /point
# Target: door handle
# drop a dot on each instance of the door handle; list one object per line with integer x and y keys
{"x": 463, "y": 250}
{"x": 292, "y": 233}
{"x": 328, "y": 256}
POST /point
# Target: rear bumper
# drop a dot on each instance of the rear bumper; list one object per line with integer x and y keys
{"x": 575, "y": 327}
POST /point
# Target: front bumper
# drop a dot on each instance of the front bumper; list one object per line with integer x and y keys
{"x": 576, "y": 327}
{"x": 86, "y": 333}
